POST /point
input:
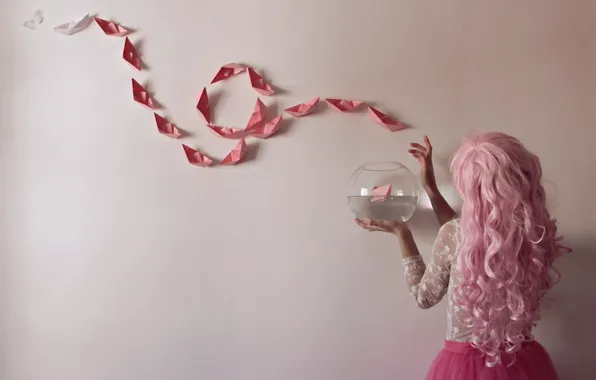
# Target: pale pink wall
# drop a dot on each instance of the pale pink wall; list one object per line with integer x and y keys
{"x": 120, "y": 261}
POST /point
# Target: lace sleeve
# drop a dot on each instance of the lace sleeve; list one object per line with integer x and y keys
{"x": 429, "y": 284}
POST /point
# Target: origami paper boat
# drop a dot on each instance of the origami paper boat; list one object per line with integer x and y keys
{"x": 303, "y": 108}
{"x": 384, "y": 121}
{"x": 227, "y": 71}
{"x": 344, "y": 105}
{"x": 196, "y": 158}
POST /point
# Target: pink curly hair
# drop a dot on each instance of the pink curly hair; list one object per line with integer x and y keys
{"x": 508, "y": 242}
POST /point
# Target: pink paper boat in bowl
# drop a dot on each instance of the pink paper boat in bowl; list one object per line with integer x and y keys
{"x": 380, "y": 193}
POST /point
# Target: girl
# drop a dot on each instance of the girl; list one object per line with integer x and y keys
{"x": 494, "y": 262}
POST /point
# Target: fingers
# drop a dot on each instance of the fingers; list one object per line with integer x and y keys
{"x": 377, "y": 225}
{"x": 425, "y": 150}
{"x": 360, "y": 223}
{"x": 429, "y": 148}
{"x": 418, "y": 147}
{"x": 416, "y": 153}
{"x": 366, "y": 223}
{"x": 385, "y": 225}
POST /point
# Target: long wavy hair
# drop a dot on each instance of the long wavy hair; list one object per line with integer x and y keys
{"x": 508, "y": 242}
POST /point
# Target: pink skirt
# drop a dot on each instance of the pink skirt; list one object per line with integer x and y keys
{"x": 461, "y": 361}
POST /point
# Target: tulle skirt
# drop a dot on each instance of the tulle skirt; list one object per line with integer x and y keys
{"x": 461, "y": 361}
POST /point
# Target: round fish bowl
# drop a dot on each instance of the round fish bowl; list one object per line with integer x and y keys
{"x": 383, "y": 190}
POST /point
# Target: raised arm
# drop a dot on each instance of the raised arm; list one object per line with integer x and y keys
{"x": 423, "y": 154}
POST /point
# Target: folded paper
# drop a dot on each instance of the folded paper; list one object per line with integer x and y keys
{"x": 130, "y": 54}
{"x": 384, "y": 121}
{"x": 255, "y": 123}
{"x": 344, "y": 105}
{"x": 227, "y": 132}
{"x": 380, "y": 193}
{"x": 303, "y": 108}
{"x": 203, "y": 106}
{"x": 196, "y": 158}
{"x": 259, "y": 84}
{"x": 257, "y": 117}
{"x": 141, "y": 95}
{"x": 166, "y": 128}
{"x": 34, "y": 21}
{"x": 236, "y": 155}
{"x": 111, "y": 28}
{"x": 227, "y": 71}
{"x": 74, "y": 26}
{"x": 268, "y": 129}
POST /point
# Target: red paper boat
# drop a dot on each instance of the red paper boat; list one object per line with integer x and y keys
{"x": 111, "y": 28}
{"x": 258, "y": 83}
{"x": 130, "y": 55}
{"x": 203, "y": 106}
{"x": 141, "y": 95}
{"x": 344, "y": 105}
{"x": 166, "y": 128}
{"x": 196, "y": 158}
{"x": 236, "y": 154}
{"x": 267, "y": 130}
{"x": 303, "y": 108}
{"x": 384, "y": 120}
{"x": 227, "y": 71}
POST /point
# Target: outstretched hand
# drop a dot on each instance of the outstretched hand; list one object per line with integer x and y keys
{"x": 379, "y": 225}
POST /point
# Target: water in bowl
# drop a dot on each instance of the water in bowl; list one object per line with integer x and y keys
{"x": 400, "y": 208}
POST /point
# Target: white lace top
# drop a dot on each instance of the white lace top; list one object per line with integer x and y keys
{"x": 429, "y": 284}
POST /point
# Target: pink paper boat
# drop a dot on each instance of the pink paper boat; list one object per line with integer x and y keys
{"x": 344, "y": 105}
{"x": 236, "y": 155}
{"x": 130, "y": 55}
{"x": 227, "y": 132}
{"x": 267, "y": 130}
{"x": 203, "y": 106}
{"x": 196, "y": 158}
{"x": 166, "y": 128}
{"x": 381, "y": 193}
{"x": 111, "y": 28}
{"x": 303, "y": 108}
{"x": 259, "y": 84}
{"x": 141, "y": 95}
{"x": 227, "y": 71}
{"x": 384, "y": 121}
{"x": 257, "y": 117}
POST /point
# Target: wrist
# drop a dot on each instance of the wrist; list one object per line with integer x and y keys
{"x": 431, "y": 190}
{"x": 401, "y": 229}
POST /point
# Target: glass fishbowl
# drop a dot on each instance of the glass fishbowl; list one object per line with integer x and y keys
{"x": 383, "y": 190}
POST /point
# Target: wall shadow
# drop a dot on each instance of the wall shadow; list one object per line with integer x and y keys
{"x": 569, "y": 312}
